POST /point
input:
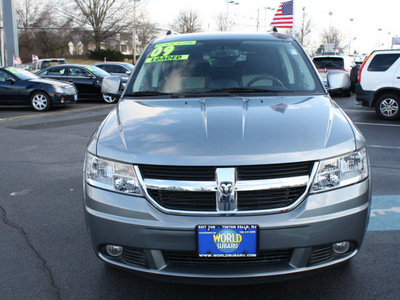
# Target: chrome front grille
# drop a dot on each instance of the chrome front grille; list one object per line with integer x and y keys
{"x": 264, "y": 188}
{"x": 207, "y": 173}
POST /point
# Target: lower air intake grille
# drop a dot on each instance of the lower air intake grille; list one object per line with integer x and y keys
{"x": 135, "y": 257}
{"x": 321, "y": 255}
{"x": 264, "y": 257}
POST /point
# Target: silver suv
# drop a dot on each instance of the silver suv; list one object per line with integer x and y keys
{"x": 226, "y": 161}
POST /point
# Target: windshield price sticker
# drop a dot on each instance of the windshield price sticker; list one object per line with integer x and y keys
{"x": 163, "y": 52}
{"x": 185, "y": 43}
{"x": 12, "y": 70}
{"x": 166, "y": 58}
{"x": 227, "y": 240}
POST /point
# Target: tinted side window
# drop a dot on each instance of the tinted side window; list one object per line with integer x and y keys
{"x": 103, "y": 67}
{"x": 382, "y": 62}
{"x": 74, "y": 71}
{"x": 55, "y": 71}
{"x": 118, "y": 69}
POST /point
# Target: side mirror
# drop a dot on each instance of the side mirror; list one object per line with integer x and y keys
{"x": 338, "y": 81}
{"x": 10, "y": 80}
{"x": 111, "y": 86}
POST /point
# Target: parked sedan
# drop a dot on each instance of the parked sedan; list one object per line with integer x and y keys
{"x": 120, "y": 69}
{"x": 21, "y": 87}
{"x": 87, "y": 79}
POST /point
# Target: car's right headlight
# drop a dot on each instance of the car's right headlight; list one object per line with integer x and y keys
{"x": 110, "y": 175}
{"x": 59, "y": 89}
{"x": 341, "y": 171}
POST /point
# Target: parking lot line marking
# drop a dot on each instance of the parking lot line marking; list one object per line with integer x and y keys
{"x": 385, "y": 213}
{"x": 51, "y": 114}
{"x": 384, "y": 147}
{"x": 359, "y": 110}
{"x": 377, "y": 124}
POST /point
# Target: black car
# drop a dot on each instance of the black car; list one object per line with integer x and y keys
{"x": 21, "y": 87}
{"x": 87, "y": 79}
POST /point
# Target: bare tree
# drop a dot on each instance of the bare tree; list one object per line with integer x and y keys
{"x": 333, "y": 36}
{"x": 105, "y": 18}
{"x": 188, "y": 21}
{"x": 220, "y": 19}
{"x": 145, "y": 30}
{"x": 302, "y": 35}
{"x": 28, "y": 12}
{"x": 43, "y": 33}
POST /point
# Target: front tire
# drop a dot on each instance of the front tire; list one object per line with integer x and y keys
{"x": 387, "y": 106}
{"x": 40, "y": 101}
{"x": 109, "y": 99}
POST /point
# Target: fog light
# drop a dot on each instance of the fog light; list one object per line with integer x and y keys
{"x": 341, "y": 247}
{"x": 114, "y": 250}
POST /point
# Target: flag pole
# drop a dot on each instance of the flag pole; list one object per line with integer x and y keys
{"x": 294, "y": 22}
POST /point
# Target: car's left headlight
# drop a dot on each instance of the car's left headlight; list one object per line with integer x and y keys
{"x": 110, "y": 175}
{"x": 341, "y": 171}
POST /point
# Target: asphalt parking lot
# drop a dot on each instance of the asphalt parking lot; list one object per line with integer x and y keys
{"x": 45, "y": 250}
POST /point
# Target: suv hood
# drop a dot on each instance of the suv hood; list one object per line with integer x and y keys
{"x": 224, "y": 131}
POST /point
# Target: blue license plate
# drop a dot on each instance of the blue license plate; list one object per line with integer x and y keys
{"x": 227, "y": 240}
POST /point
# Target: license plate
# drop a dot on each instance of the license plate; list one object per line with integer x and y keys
{"x": 76, "y": 97}
{"x": 227, "y": 240}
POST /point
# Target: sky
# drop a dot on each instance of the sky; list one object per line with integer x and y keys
{"x": 372, "y": 27}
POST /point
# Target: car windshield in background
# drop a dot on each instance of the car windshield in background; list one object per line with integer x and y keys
{"x": 97, "y": 71}
{"x": 128, "y": 66}
{"x": 22, "y": 74}
{"x": 192, "y": 67}
{"x": 329, "y": 62}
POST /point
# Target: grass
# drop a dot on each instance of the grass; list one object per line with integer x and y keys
{"x": 82, "y": 61}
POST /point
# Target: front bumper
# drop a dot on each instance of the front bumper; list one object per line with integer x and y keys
{"x": 164, "y": 246}
{"x": 63, "y": 98}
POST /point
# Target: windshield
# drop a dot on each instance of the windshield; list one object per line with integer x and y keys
{"x": 329, "y": 62}
{"x": 22, "y": 74}
{"x": 97, "y": 71}
{"x": 129, "y": 66}
{"x": 190, "y": 67}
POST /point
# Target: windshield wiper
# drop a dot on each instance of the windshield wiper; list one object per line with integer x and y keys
{"x": 246, "y": 90}
{"x": 154, "y": 93}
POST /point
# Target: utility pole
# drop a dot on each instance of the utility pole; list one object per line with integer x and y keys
{"x": 11, "y": 32}
{"x": 134, "y": 32}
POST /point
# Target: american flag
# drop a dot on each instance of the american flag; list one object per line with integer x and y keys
{"x": 279, "y": 108}
{"x": 16, "y": 60}
{"x": 284, "y": 16}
